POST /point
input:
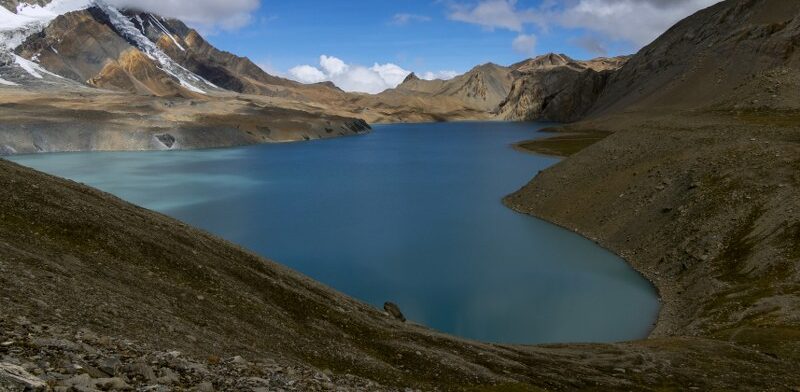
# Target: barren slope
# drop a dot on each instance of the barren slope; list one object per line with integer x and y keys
{"x": 697, "y": 185}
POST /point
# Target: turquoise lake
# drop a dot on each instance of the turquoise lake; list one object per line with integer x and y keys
{"x": 409, "y": 213}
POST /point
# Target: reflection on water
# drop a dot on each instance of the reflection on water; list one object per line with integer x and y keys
{"x": 409, "y": 213}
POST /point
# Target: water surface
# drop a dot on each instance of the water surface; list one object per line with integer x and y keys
{"x": 410, "y": 214}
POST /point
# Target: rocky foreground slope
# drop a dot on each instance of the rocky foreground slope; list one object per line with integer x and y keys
{"x": 98, "y": 294}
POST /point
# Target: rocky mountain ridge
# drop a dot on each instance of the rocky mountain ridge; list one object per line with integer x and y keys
{"x": 555, "y": 87}
{"x": 99, "y": 78}
{"x": 129, "y": 51}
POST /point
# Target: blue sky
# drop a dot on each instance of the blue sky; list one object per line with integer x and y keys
{"x": 372, "y": 44}
{"x": 286, "y": 34}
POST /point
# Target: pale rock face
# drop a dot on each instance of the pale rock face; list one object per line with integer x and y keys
{"x": 555, "y": 87}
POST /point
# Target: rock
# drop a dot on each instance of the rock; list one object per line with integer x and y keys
{"x": 205, "y": 387}
{"x": 84, "y": 382}
{"x": 143, "y": 370}
{"x": 109, "y": 366}
{"x": 80, "y": 381}
{"x": 112, "y": 384}
{"x": 5, "y": 58}
{"x": 7, "y": 150}
{"x": 168, "y": 377}
{"x": 238, "y": 361}
{"x": 394, "y": 311}
{"x": 16, "y": 375}
{"x": 166, "y": 139}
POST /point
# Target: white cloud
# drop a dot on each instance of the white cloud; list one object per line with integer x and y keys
{"x": 358, "y": 78}
{"x": 351, "y": 77}
{"x": 443, "y": 75}
{"x": 525, "y": 44}
{"x": 634, "y": 21}
{"x": 307, "y": 74}
{"x": 204, "y": 14}
{"x": 332, "y": 65}
{"x": 637, "y": 21}
{"x": 393, "y": 74}
{"x": 404, "y": 19}
{"x": 493, "y": 14}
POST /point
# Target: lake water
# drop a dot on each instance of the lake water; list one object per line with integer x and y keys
{"x": 409, "y": 213}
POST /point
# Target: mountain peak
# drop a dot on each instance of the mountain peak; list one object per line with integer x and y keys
{"x": 411, "y": 77}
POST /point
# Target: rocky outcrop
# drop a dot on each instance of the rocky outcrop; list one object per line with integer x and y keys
{"x": 555, "y": 87}
{"x": 137, "y": 73}
{"x": 393, "y": 310}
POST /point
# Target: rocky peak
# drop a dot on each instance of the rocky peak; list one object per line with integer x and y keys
{"x": 410, "y": 78}
{"x": 543, "y": 62}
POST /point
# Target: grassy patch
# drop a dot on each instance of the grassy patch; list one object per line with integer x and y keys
{"x": 565, "y": 145}
{"x": 779, "y": 118}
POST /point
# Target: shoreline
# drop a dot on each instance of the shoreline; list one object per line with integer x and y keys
{"x": 518, "y": 146}
{"x": 648, "y": 322}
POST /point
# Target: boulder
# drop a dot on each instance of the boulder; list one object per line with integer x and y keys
{"x": 15, "y": 376}
{"x": 393, "y": 310}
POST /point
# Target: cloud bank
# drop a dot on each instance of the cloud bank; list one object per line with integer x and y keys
{"x": 636, "y": 22}
{"x": 525, "y": 44}
{"x": 493, "y": 14}
{"x": 203, "y": 14}
{"x": 358, "y": 78}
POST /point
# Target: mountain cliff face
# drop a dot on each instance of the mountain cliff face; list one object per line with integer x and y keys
{"x": 557, "y": 88}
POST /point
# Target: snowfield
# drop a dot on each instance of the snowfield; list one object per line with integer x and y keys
{"x": 31, "y": 19}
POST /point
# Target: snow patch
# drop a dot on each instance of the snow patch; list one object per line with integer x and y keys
{"x": 32, "y": 68}
{"x": 7, "y": 83}
{"x": 32, "y": 19}
{"x": 165, "y": 31}
{"x": 187, "y": 78}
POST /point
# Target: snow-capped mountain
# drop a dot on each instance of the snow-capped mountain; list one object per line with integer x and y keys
{"x": 22, "y": 31}
{"x": 93, "y": 43}
{"x": 84, "y": 75}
